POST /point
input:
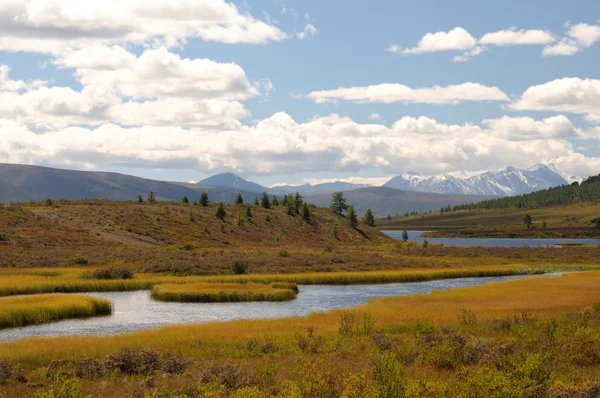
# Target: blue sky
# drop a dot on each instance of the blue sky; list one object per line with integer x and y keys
{"x": 242, "y": 91}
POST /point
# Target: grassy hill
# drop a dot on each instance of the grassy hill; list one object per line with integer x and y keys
{"x": 576, "y": 220}
{"x": 168, "y": 235}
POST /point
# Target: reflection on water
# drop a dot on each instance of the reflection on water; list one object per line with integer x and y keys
{"x": 415, "y": 236}
{"x": 135, "y": 310}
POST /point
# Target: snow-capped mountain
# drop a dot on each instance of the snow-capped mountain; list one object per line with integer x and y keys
{"x": 508, "y": 182}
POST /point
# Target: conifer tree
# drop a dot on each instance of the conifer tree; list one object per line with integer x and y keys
{"x": 204, "y": 199}
{"x": 305, "y": 213}
{"x": 352, "y": 216}
{"x": 265, "y": 202}
{"x": 220, "y": 213}
{"x": 338, "y": 203}
{"x": 151, "y": 197}
{"x": 369, "y": 218}
{"x": 239, "y": 200}
{"x": 185, "y": 200}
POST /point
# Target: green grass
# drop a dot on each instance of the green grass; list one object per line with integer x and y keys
{"x": 21, "y": 311}
{"x": 224, "y": 292}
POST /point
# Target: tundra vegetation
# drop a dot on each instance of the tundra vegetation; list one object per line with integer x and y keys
{"x": 528, "y": 337}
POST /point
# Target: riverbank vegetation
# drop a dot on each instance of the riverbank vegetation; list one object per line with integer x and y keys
{"x": 31, "y": 310}
{"x": 564, "y": 221}
{"x": 224, "y": 292}
{"x": 522, "y": 338}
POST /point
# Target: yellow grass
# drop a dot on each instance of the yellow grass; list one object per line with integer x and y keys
{"x": 544, "y": 296}
{"x": 69, "y": 280}
{"x": 21, "y": 311}
{"x": 224, "y": 292}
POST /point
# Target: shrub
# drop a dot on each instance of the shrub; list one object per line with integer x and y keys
{"x": 240, "y": 267}
{"x": 133, "y": 361}
{"x": 110, "y": 273}
{"x": 231, "y": 376}
{"x": 389, "y": 376}
{"x": 353, "y": 323}
{"x": 10, "y": 372}
{"x": 78, "y": 260}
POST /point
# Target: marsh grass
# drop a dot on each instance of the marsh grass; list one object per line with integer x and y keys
{"x": 21, "y": 311}
{"x": 224, "y": 292}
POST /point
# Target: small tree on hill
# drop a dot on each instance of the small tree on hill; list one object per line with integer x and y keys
{"x": 297, "y": 201}
{"x": 256, "y": 203}
{"x": 249, "y": 213}
{"x": 203, "y": 199}
{"x": 140, "y": 198}
{"x": 405, "y": 236}
{"x": 369, "y": 218}
{"x": 338, "y": 203}
{"x": 285, "y": 200}
{"x": 220, "y": 213}
{"x": 352, "y": 216}
{"x": 239, "y": 200}
{"x": 264, "y": 201}
{"x": 527, "y": 220}
{"x": 151, "y": 197}
{"x": 185, "y": 200}
{"x": 305, "y": 213}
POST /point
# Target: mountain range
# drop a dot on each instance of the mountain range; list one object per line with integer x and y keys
{"x": 508, "y": 182}
{"x": 405, "y": 193}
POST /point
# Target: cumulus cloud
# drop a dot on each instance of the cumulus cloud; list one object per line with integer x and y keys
{"x": 374, "y": 116}
{"x": 53, "y": 26}
{"x": 309, "y": 30}
{"x": 155, "y": 88}
{"x": 514, "y": 37}
{"x": 389, "y": 93}
{"x": 281, "y": 145}
{"x": 578, "y": 38}
{"x": 455, "y": 39}
{"x": 574, "y": 95}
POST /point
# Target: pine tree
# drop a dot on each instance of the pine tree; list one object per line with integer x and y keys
{"x": 239, "y": 200}
{"x": 305, "y": 213}
{"x": 204, "y": 199}
{"x": 285, "y": 200}
{"x": 151, "y": 197}
{"x": 405, "y": 236}
{"x": 275, "y": 201}
{"x": 352, "y": 216}
{"x": 256, "y": 202}
{"x": 140, "y": 198}
{"x": 297, "y": 201}
{"x": 185, "y": 200}
{"x": 249, "y": 213}
{"x": 369, "y": 218}
{"x": 527, "y": 220}
{"x": 264, "y": 201}
{"x": 220, "y": 213}
{"x": 338, "y": 203}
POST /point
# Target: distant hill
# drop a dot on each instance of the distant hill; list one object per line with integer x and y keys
{"x": 232, "y": 181}
{"x": 22, "y": 183}
{"x": 508, "y": 182}
{"x": 328, "y": 187}
{"x": 385, "y": 201}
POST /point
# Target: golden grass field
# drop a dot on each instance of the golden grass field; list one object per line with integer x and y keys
{"x": 466, "y": 321}
{"x": 21, "y": 311}
{"x": 223, "y": 292}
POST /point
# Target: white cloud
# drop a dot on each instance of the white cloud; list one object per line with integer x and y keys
{"x": 309, "y": 30}
{"x": 574, "y": 95}
{"x": 579, "y": 37}
{"x": 374, "y": 116}
{"x": 456, "y": 39}
{"x": 526, "y": 128}
{"x": 388, "y": 93}
{"x": 469, "y": 54}
{"x": 281, "y": 145}
{"x": 393, "y": 48}
{"x": 53, "y": 26}
{"x": 514, "y": 37}
{"x": 156, "y": 88}
{"x": 375, "y": 181}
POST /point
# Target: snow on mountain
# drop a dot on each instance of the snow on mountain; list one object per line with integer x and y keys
{"x": 507, "y": 182}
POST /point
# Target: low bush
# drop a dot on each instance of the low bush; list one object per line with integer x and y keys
{"x": 109, "y": 273}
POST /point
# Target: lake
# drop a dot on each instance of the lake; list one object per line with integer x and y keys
{"x": 135, "y": 310}
{"x": 415, "y": 236}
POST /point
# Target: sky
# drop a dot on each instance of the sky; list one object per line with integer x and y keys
{"x": 296, "y": 91}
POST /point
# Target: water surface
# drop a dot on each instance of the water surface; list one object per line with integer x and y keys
{"x": 136, "y": 311}
{"x": 415, "y": 236}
